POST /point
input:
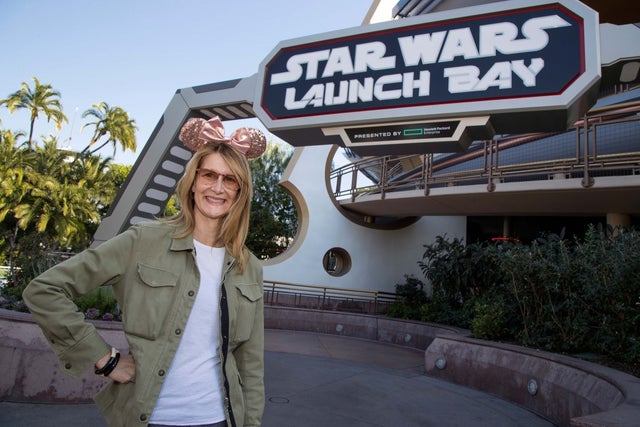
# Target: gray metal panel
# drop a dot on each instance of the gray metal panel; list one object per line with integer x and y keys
{"x": 155, "y": 173}
{"x": 132, "y": 203}
{"x": 157, "y": 170}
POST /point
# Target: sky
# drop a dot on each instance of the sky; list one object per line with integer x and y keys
{"x": 135, "y": 54}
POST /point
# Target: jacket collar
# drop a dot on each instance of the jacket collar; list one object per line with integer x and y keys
{"x": 182, "y": 244}
{"x": 186, "y": 244}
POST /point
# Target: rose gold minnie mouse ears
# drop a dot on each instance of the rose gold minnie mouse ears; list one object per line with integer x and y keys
{"x": 197, "y": 132}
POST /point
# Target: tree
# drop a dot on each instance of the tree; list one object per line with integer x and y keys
{"x": 114, "y": 178}
{"x": 118, "y": 174}
{"x": 49, "y": 201}
{"x": 52, "y": 200}
{"x": 273, "y": 222}
{"x": 13, "y": 164}
{"x": 114, "y": 123}
{"x": 40, "y": 99}
{"x": 60, "y": 201}
{"x": 103, "y": 179}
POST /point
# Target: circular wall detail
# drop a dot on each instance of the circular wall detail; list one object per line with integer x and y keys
{"x": 374, "y": 222}
{"x": 336, "y": 262}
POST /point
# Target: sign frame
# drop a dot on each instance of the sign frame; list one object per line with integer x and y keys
{"x": 540, "y": 112}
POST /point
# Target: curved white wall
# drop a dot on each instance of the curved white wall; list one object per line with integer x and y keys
{"x": 379, "y": 258}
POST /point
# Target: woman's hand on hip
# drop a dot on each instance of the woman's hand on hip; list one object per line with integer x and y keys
{"x": 125, "y": 370}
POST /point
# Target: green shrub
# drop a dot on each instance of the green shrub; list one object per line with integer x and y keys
{"x": 460, "y": 275}
{"x": 488, "y": 321}
{"x": 563, "y": 295}
{"x": 99, "y": 305}
{"x": 410, "y": 296}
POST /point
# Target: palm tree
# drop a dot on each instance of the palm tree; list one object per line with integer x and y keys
{"x": 62, "y": 196}
{"x": 115, "y": 124}
{"x": 96, "y": 174}
{"x": 14, "y": 162}
{"x": 40, "y": 99}
{"x": 49, "y": 196}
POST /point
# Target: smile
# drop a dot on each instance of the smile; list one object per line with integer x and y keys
{"x": 215, "y": 200}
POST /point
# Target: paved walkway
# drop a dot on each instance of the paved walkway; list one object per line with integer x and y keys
{"x": 316, "y": 380}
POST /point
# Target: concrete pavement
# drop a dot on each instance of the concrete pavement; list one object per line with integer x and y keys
{"x": 318, "y": 380}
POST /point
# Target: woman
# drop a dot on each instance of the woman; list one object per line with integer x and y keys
{"x": 190, "y": 294}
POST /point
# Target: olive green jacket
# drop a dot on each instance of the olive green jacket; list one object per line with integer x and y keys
{"x": 155, "y": 281}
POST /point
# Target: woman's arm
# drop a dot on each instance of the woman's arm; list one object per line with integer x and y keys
{"x": 50, "y": 297}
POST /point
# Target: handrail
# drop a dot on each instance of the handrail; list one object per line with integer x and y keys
{"x": 326, "y": 297}
{"x": 587, "y": 162}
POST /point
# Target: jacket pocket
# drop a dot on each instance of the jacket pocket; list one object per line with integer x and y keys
{"x": 149, "y": 301}
{"x": 249, "y": 296}
{"x": 117, "y": 403}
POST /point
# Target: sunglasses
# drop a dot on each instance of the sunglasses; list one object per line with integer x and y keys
{"x": 210, "y": 177}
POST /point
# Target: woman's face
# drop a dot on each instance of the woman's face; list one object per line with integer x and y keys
{"x": 215, "y": 188}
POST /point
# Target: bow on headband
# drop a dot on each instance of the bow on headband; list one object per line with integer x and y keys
{"x": 197, "y": 132}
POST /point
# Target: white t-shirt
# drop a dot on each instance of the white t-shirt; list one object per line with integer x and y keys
{"x": 192, "y": 391}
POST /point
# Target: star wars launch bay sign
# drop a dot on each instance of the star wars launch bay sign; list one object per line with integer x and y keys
{"x": 435, "y": 82}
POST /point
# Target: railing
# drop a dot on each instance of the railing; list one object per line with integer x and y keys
{"x": 327, "y": 298}
{"x": 398, "y": 173}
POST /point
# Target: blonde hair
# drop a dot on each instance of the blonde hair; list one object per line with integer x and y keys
{"x": 235, "y": 225}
